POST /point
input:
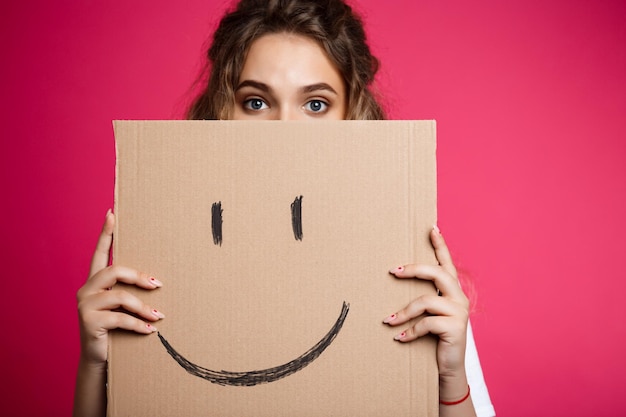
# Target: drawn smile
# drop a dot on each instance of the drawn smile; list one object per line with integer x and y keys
{"x": 264, "y": 376}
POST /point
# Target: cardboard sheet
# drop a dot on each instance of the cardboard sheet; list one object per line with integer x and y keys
{"x": 274, "y": 241}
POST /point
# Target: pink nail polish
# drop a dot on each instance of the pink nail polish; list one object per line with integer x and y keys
{"x": 400, "y": 336}
{"x": 390, "y": 318}
{"x": 396, "y": 270}
{"x": 151, "y": 327}
{"x": 158, "y": 314}
{"x": 156, "y": 282}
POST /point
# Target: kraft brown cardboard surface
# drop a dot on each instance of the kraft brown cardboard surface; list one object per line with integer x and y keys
{"x": 274, "y": 241}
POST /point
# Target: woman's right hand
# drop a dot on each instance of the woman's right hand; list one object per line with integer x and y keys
{"x": 102, "y": 307}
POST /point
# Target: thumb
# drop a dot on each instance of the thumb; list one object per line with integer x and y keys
{"x": 100, "y": 258}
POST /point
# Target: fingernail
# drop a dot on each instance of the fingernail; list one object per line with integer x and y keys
{"x": 151, "y": 327}
{"x": 156, "y": 282}
{"x": 390, "y": 318}
{"x": 158, "y": 314}
{"x": 436, "y": 229}
{"x": 108, "y": 212}
{"x": 400, "y": 336}
{"x": 396, "y": 270}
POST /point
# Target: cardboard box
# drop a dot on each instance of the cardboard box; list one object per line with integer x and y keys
{"x": 274, "y": 241}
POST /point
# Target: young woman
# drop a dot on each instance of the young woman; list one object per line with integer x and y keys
{"x": 285, "y": 60}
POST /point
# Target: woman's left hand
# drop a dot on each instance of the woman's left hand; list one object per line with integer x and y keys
{"x": 445, "y": 315}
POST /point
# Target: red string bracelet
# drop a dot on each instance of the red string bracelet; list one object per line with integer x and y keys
{"x": 458, "y": 401}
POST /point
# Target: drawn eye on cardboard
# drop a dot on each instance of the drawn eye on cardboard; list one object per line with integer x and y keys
{"x": 263, "y": 376}
{"x": 217, "y": 221}
{"x": 257, "y": 285}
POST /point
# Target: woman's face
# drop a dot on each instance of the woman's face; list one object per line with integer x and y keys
{"x": 288, "y": 77}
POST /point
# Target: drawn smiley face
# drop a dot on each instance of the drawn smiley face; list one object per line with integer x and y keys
{"x": 263, "y": 376}
{"x": 263, "y": 298}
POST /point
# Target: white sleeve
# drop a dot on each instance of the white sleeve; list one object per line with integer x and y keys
{"x": 475, "y": 379}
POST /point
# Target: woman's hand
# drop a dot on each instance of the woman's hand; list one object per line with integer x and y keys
{"x": 445, "y": 315}
{"x": 102, "y": 308}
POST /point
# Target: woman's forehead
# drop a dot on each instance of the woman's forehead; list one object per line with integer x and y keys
{"x": 283, "y": 59}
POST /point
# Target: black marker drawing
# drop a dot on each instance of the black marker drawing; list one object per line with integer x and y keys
{"x": 296, "y": 218}
{"x": 216, "y": 222}
{"x": 264, "y": 376}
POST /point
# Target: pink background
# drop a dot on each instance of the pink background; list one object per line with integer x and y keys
{"x": 530, "y": 99}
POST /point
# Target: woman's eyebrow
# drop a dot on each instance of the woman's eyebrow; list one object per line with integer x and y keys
{"x": 266, "y": 88}
{"x": 317, "y": 87}
{"x": 255, "y": 84}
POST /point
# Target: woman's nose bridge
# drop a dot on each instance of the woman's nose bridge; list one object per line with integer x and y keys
{"x": 288, "y": 112}
{"x": 285, "y": 114}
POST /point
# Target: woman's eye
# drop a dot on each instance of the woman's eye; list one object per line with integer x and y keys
{"x": 255, "y": 104}
{"x": 316, "y": 106}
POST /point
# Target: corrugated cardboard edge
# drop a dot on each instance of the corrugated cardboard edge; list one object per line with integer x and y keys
{"x": 414, "y": 158}
{"x": 110, "y": 381}
{"x": 117, "y": 124}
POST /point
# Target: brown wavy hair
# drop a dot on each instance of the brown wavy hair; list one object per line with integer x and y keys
{"x": 331, "y": 23}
